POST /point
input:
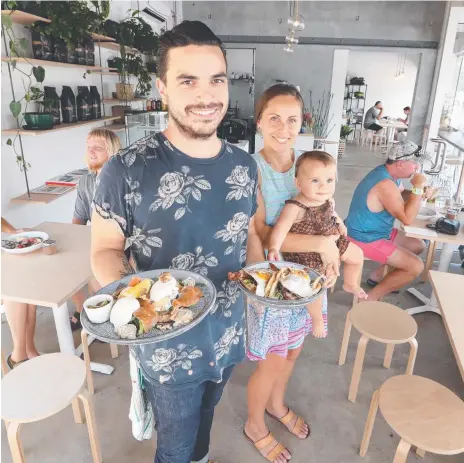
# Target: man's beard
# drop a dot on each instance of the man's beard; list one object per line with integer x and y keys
{"x": 189, "y": 131}
{"x": 94, "y": 167}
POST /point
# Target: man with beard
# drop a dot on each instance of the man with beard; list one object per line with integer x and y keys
{"x": 100, "y": 146}
{"x": 184, "y": 199}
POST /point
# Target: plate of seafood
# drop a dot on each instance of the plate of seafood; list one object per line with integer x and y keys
{"x": 24, "y": 242}
{"x": 280, "y": 284}
{"x": 148, "y": 307}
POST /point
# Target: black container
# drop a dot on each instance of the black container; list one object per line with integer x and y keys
{"x": 83, "y": 106}
{"x": 80, "y": 54}
{"x": 47, "y": 47}
{"x": 95, "y": 102}
{"x": 151, "y": 67}
{"x": 89, "y": 47}
{"x": 159, "y": 106}
{"x": 68, "y": 105}
{"x": 60, "y": 51}
{"x": 53, "y": 104}
{"x": 37, "y": 46}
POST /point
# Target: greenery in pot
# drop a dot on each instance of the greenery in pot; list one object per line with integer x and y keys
{"x": 31, "y": 80}
{"x": 345, "y": 130}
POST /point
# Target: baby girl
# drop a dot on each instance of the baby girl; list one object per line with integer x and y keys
{"x": 312, "y": 212}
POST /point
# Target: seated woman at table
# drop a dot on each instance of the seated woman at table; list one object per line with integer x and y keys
{"x": 101, "y": 145}
{"x": 21, "y": 319}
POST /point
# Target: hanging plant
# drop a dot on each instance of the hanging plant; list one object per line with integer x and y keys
{"x": 32, "y": 81}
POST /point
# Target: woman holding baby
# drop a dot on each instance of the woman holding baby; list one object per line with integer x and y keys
{"x": 296, "y": 217}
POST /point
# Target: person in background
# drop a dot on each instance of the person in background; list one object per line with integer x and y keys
{"x": 101, "y": 145}
{"x": 373, "y": 116}
{"x": 407, "y": 112}
{"x": 184, "y": 199}
{"x": 378, "y": 200}
{"x": 21, "y": 319}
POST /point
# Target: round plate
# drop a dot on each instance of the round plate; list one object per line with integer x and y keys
{"x": 105, "y": 331}
{"x": 279, "y": 303}
{"x": 426, "y": 213}
{"x": 28, "y": 234}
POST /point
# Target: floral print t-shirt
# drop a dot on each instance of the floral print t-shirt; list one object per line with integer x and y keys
{"x": 186, "y": 213}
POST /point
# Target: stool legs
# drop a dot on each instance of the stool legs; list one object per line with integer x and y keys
{"x": 402, "y": 451}
{"x": 388, "y": 355}
{"x": 77, "y": 412}
{"x": 17, "y": 454}
{"x": 412, "y": 356}
{"x": 86, "y": 399}
{"x": 357, "y": 369}
{"x": 85, "y": 351}
{"x": 369, "y": 424}
{"x": 420, "y": 452}
{"x": 114, "y": 351}
{"x": 429, "y": 260}
{"x": 346, "y": 340}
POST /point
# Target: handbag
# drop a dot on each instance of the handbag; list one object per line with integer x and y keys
{"x": 447, "y": 226}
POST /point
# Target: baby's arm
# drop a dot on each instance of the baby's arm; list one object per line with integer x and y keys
{"x": 341, "y": 226}
{"x": 283, "y": 225}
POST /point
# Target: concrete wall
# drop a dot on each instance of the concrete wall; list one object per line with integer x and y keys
{"x": 420, "y": 21}
{"x": 57, "y": 152}
{"x": 378, "y": 70}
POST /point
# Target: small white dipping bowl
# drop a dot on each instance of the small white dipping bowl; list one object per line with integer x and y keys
{"x": 100, "y": 314}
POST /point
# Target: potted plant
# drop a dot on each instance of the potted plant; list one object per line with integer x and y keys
{"x": 321, "y": 118}
{"x": 307, "y": 123}
{"x": 345, "y": 131}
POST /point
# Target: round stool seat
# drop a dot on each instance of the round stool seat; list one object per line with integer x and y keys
{"x": 383, "y": 322}
{"x": 424, "y": 413}
{"x": 41, "y": 387}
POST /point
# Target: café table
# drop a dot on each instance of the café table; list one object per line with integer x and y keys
{"x": 390, "y": 126}
{"x": 455, "y": 139}
{"x": 450, "y": 243}
{"x": 51, "y": 280}
{"x": 446, "y": 287}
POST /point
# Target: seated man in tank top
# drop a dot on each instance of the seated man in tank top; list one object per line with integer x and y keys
{"x": 378, "y": 200}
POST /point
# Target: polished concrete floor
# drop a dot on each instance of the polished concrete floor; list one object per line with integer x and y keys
{"x": 317, "y": 390}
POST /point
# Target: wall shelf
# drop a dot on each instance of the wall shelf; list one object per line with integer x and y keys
{"x": 21, "y": 17}
{"x": 42, "y": 62}
{"x": 102, "y": 38}
{"x": 116, "y": 47}
{"x": 34, "y": 133}
{"x": 37, "y": 198}
{"x": 116, "y": 100}
{"x": 116, "y": 127}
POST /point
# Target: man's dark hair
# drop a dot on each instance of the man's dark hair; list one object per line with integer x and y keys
{"x": 182, "y": 35}
{"x": 407, "y": 108}
{"x": 377, "y": 102}
{"x": 315, "y": 155}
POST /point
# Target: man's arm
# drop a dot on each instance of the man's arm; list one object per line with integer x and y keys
{"x": 109, "y": 263}
{"x": 255, "y": 251}
{"x": 77, "y": 221}
{"x": 379, "y": 116}
{"x": 391, "y": 198}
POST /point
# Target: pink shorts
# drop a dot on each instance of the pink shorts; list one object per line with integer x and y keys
{"x": 380, "y": 250}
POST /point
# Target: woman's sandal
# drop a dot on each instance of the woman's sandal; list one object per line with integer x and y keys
{"x": 296, "y": 428}
{"x": 12, "y": 364}
{"x": 261, "y": 444}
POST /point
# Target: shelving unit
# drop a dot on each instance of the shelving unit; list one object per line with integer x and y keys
{"x": 116, "y": 127}
{"x": 26, "y": 19}
{"x": 354, "y": 107}
{"x": 57, "y": 128}
{"x": 39, "y": 198}
{"x": 43, "y": 62}
{"x": 116, "y": 100}
{"x": 116, "y": 47}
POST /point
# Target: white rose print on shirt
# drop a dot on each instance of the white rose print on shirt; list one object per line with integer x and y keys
{"x": 229, "y": 338}
{"x": 133, "y": 195}
{"x": 195, "y": 261}
{"x": 242, "y": 185}
{"x": 178, "y": 188}
{"x": 235, "y": 231}
{"x": 139, "y": 148}
{"x": 226, "y": 298}
{"x": 104, "y": 211}
{"x": 143, "y": 242}
{"x": 169, "y": 360}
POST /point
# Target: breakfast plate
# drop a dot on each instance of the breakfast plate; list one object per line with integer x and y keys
{"x": 281, "y": 284}
{"x": 24, "y": 242}
{"x": 148, "y": 307}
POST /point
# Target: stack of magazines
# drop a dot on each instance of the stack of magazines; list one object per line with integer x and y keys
{"x": 62, "y": 183}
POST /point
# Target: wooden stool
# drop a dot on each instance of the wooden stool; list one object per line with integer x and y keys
{"x": 42, "y": 387}
{"x": 380, "y": 322}
{"x": 424, "y": 414}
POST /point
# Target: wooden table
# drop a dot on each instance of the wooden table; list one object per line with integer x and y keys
{"x": 448, "y": 290}
{"x": 50, "y": 281}
{"x": 456, "y": 139}
{"x": 390, "y": 126}
{"x": 450, "y": 244}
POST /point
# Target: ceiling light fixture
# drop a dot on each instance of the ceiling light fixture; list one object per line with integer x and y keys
{"x": 296, "y": 21}
{"x": 291, "y": 37}
{"x": 289, "y": 48}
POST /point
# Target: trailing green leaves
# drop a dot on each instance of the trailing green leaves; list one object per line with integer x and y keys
{"x": 39, "y": 73}
{"x": 15, "y": 108}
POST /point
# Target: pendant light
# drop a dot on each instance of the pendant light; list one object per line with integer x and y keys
{"x": 289, "y": 48}
{"x": 291, "y": 37}
{"x": 296, "y": 21}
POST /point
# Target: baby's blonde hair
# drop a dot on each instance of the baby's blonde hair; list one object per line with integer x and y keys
{"x": 113, "y": 144}
{"x": 315, "y": 155}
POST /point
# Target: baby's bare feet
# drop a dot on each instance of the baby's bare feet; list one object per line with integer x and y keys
{"x": 356, "y": 290}
{"x": 319, "y": 329}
